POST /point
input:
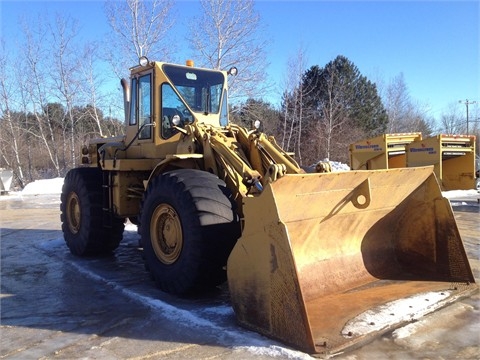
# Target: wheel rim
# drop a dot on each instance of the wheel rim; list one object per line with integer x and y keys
{"x": 166, "y": 234}
{"x": 73, "y": 213}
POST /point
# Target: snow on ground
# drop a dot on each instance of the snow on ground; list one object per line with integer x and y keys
{"x": 395, "y": 312}
{"x": 452, "y": 194}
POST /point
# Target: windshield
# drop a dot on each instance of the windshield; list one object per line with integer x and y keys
{"x": 201, "y": 89}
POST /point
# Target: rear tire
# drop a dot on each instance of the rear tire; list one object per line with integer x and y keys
{"x": 82, "y": 214}
{"x": 188, "y": 227}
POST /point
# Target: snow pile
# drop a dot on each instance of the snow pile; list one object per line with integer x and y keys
{"x": 50, "y": 186}
{"x": 338, "y": 166}
{"x": 452, "y": 194}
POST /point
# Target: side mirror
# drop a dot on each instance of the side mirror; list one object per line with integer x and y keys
{"x": 176, "y": 120}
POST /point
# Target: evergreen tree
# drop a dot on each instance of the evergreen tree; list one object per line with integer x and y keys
{"x": 342, "y": 105}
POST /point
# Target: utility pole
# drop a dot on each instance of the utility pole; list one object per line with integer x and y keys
{"x": 467, "y": 102}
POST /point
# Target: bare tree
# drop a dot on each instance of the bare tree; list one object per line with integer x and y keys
{"x": 91, "y": 86}
{"x": 334, "y": 115}
{"x": 405, "y": 114}
{"x": 140, "y": 28}
{"x": 26, "y": 136}
{"x": 228, "y": 34}
{"x": 48, "y": 97}
{"x": 452, "y": 121}
{"x": 35, "y": 78}
{"x": 294, "y": 115}
{"x": 66, "y": 76}
{"x": 296, "y": 66}
{"x": 397, "y": 103}
{"x": 10, "y": 132}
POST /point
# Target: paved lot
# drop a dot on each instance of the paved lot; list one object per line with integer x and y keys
{"x": 56, "y": 306}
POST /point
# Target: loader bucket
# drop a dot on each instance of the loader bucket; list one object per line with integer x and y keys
{"x": 327, "y": 262}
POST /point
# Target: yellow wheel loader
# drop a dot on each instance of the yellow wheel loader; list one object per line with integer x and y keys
{"x": 320, "y": 261}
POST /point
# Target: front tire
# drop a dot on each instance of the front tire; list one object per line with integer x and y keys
{"x": 82, "y": 215}
{"x": 188, "y": 227}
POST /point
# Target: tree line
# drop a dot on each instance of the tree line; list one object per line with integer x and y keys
{"x": 327, "y": 109}
{"x": 53, "y": 97}
{"x": 43, "y": 144}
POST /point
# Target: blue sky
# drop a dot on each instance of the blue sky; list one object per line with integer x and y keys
{"x": 435, "y": 44}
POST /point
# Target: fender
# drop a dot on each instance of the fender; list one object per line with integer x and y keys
{"x": 170, "y": 160}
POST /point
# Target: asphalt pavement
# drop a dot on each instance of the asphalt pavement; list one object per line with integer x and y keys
{"x": 57, "y": 306}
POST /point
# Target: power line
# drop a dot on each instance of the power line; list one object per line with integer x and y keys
{"x": 467, "y": 102}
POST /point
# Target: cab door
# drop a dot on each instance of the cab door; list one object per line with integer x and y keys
{"x": 140, "y": 124}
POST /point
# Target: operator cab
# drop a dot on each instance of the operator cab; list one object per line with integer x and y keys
{"x": 168, "y": 97}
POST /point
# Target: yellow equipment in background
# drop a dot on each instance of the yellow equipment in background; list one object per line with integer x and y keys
{"x": 385, "y": 151}
{"x": 453, "y": 158}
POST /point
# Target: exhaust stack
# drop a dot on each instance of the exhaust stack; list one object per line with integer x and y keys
{"x": 126, "y": 98}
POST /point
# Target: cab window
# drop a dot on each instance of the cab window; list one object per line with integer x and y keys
{"x": 145, "y": 106}
{"x": 224, "y": 112}
{"x": 141, "y": 105}
{"x": 174, "y": 112}
{"x": 201, "y": 89}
